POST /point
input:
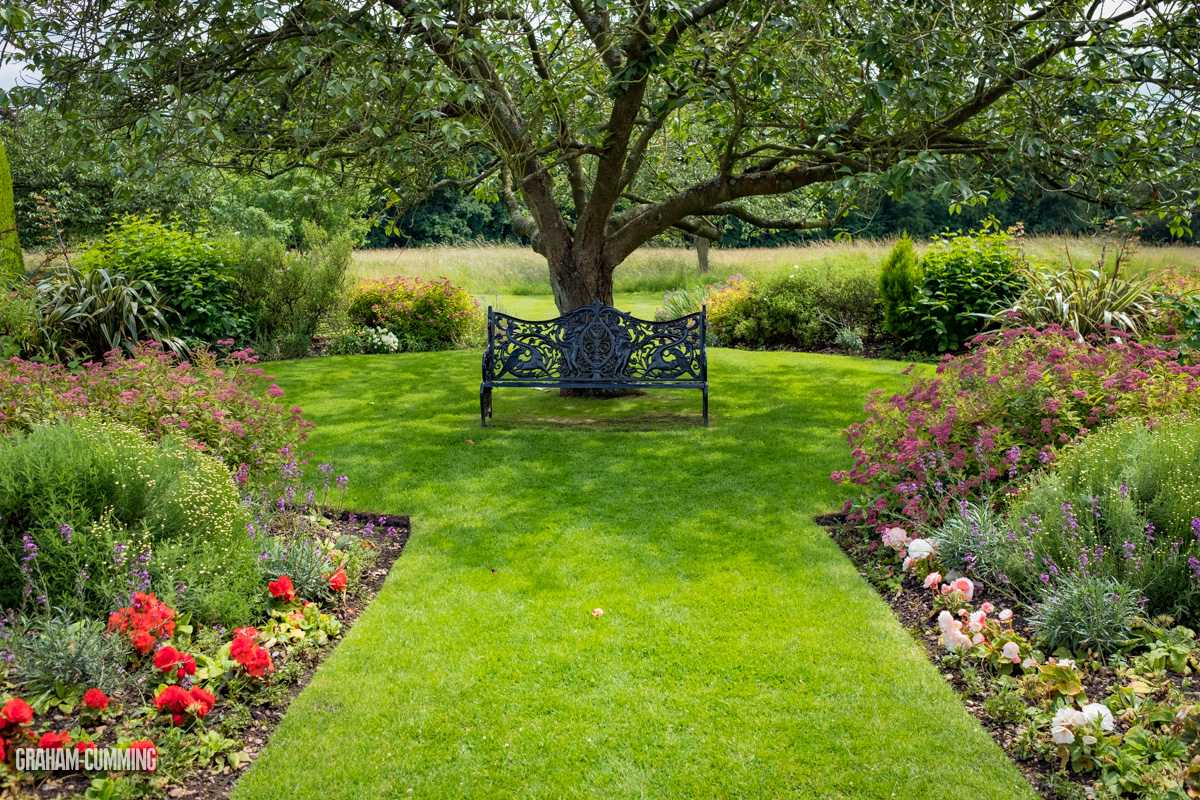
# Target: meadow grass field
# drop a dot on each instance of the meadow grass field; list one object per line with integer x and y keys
{"x": 513, "y": 272}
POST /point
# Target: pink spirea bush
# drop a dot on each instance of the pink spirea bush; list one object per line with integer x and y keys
{"x": 426, "y": 311}
{"x": 997, "y": 412}
{"x": 227, "y": 407}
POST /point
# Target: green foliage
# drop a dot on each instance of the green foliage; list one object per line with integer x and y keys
{"x": 1085, "y": 300}
{"x": 90, "y": 512}
{"x": 899, "y": 287}
{"x": 966, "y": 279}
{"x": 346, "y": 343}
{"x": 305, "y": 562}
{"x": 796, "y": 310}
{"x": 1006, "y": 707}
{"x": 1122, "y": 505}
{"x": 291, "y": 295}
{"x": 1086, "y": 612}
{"x": 423, "y": 314}
{"x": 281, "y": 208}
{"x": 195, "y": 273}
{"x": 87, "y": 314}
{"x": 12, "y": 262}
{"x": 74, "y": 652}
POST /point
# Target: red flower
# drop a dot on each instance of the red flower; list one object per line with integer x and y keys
{"x": 94, "y": 698}
{"x": 54, "y": 741}
{"x": 202, "y": 701}
{"x": 16, "y": 712}
{"x": 337, "y": 581}
{"x": 82, "y": 746}
{"x": 172, "y": 698}
{"x": 144, "y": 622}
{"x": 250, "y": 632}
{"x": 168, "y": 659}
{"x": 255, "y": 659}
{"x": 282, "y": 589}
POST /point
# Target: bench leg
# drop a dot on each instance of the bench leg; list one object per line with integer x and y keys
{"x": 485, "y": 406}
{"x": 705, "y": 406}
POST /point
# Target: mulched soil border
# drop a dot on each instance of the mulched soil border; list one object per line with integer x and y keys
{"x": 201, "y": 784}
{"x": 913, "y": 606}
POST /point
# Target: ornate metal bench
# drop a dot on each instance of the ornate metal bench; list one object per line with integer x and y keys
{"x": 594, "y": 347}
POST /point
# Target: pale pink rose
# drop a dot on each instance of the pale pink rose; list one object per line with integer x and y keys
{"x": 977, "y": 638}
{"x": 988, "y": 608}
{"x": 962, "y": 612}
{"x": 977, "y": 620}
{"x": 895, "y": 538}
{"x": 1012, "y": 651}
{"x": 964, "y": 587}
{"x": 945, "y": 589}
{"x": 1005, "y": 615}
{"x": 597, "y": 612}
{"x": 932, "y": 579}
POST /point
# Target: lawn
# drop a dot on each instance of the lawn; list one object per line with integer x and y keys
{"x": 739, "y": 654}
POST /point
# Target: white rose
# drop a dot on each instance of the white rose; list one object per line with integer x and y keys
{"x": 919, "y": 549}
{"x": 1061, "y": 727}
{"x": 1098, "y": 711}
{"x": 1012, "y": 651}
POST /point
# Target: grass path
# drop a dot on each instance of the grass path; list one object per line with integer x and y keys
{"x": 739, "y": 654}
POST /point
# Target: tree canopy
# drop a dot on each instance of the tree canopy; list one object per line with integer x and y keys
{"x": 603, "y": 123}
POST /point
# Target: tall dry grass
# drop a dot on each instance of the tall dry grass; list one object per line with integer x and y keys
{"x": 514, "y": 270}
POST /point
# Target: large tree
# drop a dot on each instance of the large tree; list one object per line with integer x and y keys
{"x": 604, "y": 123}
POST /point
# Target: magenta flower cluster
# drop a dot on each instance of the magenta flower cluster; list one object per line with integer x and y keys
{"x": 227, "y": 407}
{"x": 996, "y": 413}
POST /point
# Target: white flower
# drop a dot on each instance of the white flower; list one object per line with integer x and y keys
{"x": 1098, "y": 711}
{"x": 932, "y": 579}
{"x": 976, "y": 621}
{"x": 1028, "y": 663}
{"x": 1012, "y": 651}
{"x": 1061, "y": 727}
{"x": 1066, "y": 663}
{"x": 945, "y": 621}
{"x": 919, "y": 549}
{"x": 1005, "y": 614}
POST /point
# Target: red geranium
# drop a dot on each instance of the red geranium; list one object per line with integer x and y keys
{"x": 82, "y": 746}
{"x": 145, "y": 621}
{"x": 249, "y": 631}
{"x": 282, "y": 589}
{"x": 337, "y": 581}
{"x": 16, "y": 712}
{"x": 253, "y": 658}
{"x": 168, "y": 659}
{"x": 94, "y": 698}
{"x": 179, "y": 702}
{"x": 54, "y": 741}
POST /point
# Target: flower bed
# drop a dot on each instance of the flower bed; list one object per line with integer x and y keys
{"x": 205, "y": 699}
{"x": 1077, "y": 725}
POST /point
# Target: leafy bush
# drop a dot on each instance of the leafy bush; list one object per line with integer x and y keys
{"x": 1086, "y": 611}
{"x": 290, "y": 295}
{"x": 421, "y": 313}
{"x": 967, "y": 278}
{"x": 12, "y": 261}
{"x": 799, "y": 310}
{"x": 1087, "y": 301}
{"x": 1123, "y": 504}
{"x": 195, "y": 273}
{"x": 73, "y": 651}
{"x": 689, "y": 300}
{"x": 85, "y": 315}
{"x": 222, "y": 405}
{"x": 899, "y": 287}
{"x": 347, "y": 343}
{"x": 998, "y": 412}
{"x": 92, "y": 512}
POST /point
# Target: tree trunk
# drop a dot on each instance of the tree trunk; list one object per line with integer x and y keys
{"x": 702, "y": 253}
{"x": 579, "y": 279}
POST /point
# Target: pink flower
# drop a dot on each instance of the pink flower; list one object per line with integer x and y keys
{"x": 1005, "y": 615}
{"x": 597, "y": 612}
{"x": 988, "y": 608}
{"x": 976, "y": 621}
{"x": 1012, "y": 651}
{"x": 932, "y": 579}
{"x": 964, "y": 587}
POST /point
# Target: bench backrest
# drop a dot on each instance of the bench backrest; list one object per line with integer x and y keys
{"x": 596, "y": 344}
